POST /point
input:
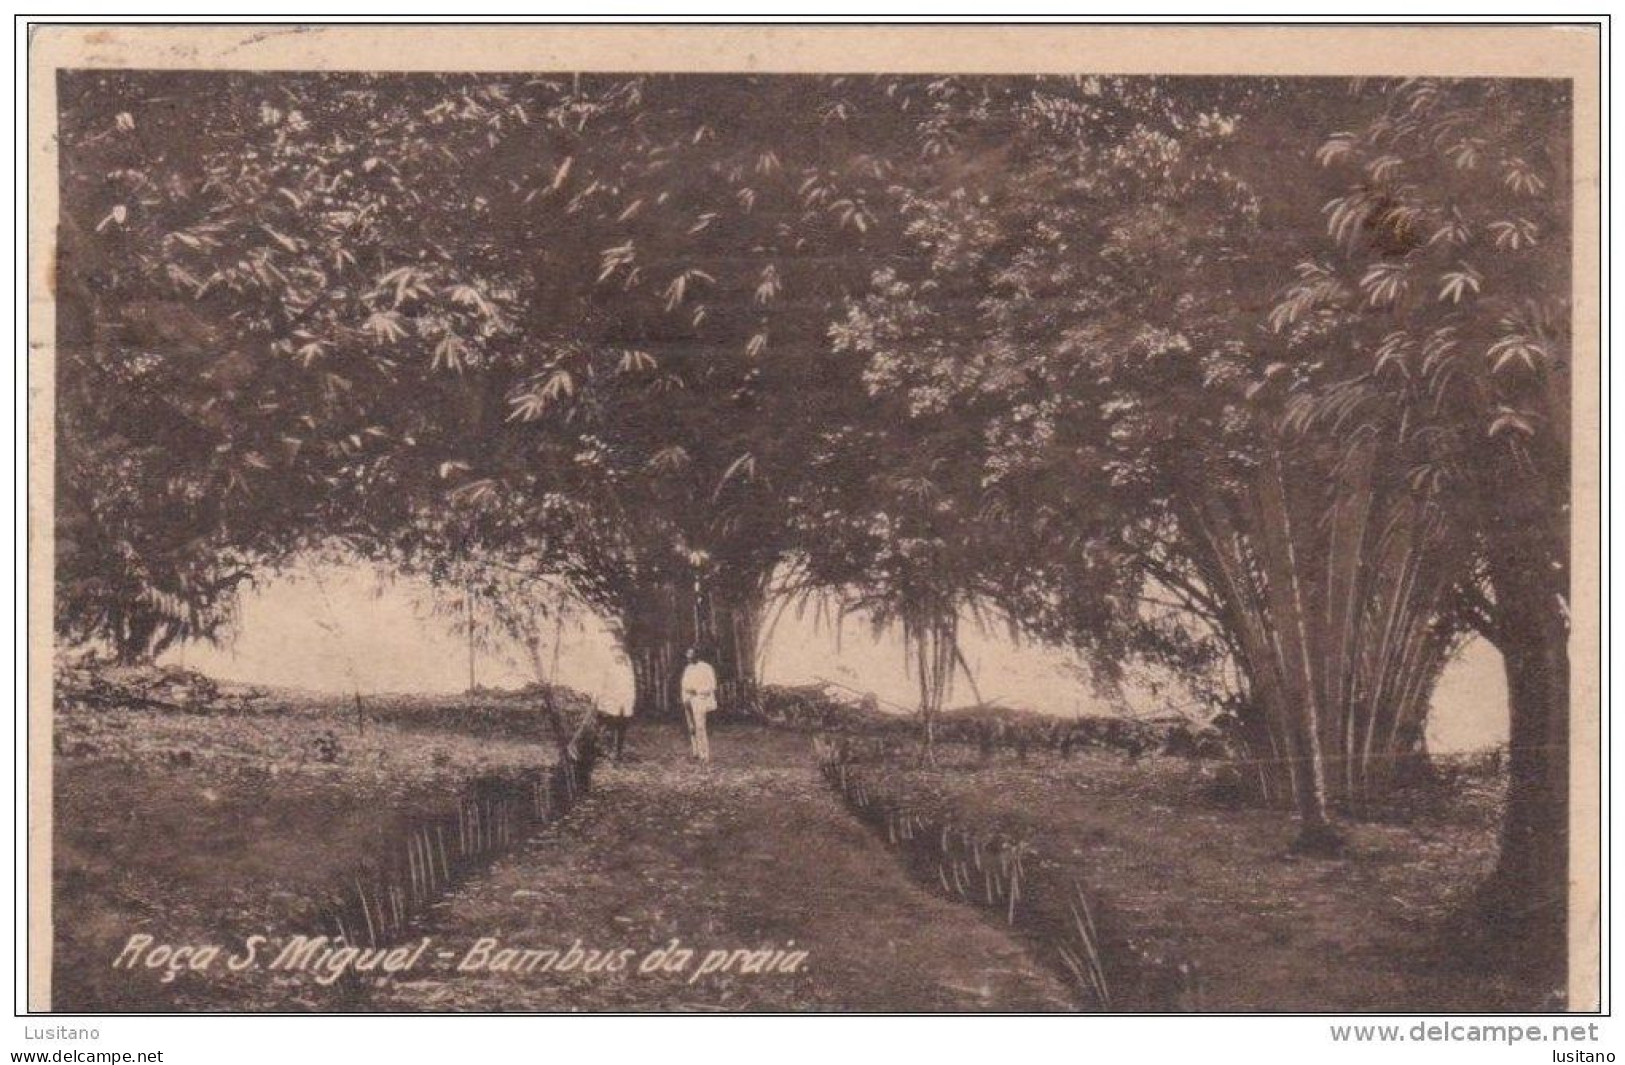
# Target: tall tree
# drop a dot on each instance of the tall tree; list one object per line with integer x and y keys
{"x": 676, "y": 313}
{"x": 1091, "y": 275}
{"x": 1446, "y": 281}
{"x": 589, "y": 310}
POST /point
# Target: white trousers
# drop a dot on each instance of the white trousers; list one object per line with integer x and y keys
{"x": 699, "y": 707}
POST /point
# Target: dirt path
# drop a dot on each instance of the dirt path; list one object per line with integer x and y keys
{"x": 753, "y": 855}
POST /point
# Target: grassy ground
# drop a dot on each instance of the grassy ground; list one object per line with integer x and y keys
{"x": 198, "y": 826}
{"x": 1182, "y": 878}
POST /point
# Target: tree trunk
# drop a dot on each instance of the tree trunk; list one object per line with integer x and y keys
{"x": 731, "y": 627}
{"x": 1317, "y": 834}
{"x": 931, "y": 642}
{"x": 1273, "y": 633}
{"x": 1527, "y": 895}
{"x": 656, "y": 628}
{"x": 133, "y": 640}
{"x": 663, "y": 620}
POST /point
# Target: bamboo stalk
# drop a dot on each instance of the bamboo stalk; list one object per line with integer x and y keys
{"x": 366, "y": 915}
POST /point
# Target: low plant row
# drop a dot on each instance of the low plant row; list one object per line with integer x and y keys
{"x": 379, "y": 905}
{"x": 988, "y": 730}
{"x": 1008, "y": 878}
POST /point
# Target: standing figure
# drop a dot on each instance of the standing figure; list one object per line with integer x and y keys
{"x": 699, "y": 688}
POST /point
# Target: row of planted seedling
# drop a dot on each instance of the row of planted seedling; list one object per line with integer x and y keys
{"x": 988, "y": 731}
{"x": 1000, "y": 874}
{"x": 378, "y": 906}
{"x": 991, "y": 738}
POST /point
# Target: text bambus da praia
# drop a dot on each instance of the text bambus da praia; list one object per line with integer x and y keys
{"x": 329, "y": 958}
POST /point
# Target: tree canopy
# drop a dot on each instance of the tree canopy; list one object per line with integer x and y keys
{"x": 1262, "y": 381}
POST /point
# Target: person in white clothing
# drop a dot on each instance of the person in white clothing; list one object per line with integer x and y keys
{"x": 699, "y": 690}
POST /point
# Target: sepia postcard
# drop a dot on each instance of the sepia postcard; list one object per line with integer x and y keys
{"x": 833, "y": 519}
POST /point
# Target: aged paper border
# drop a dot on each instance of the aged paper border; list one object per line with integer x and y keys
{"x": 1572, "y": 52}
